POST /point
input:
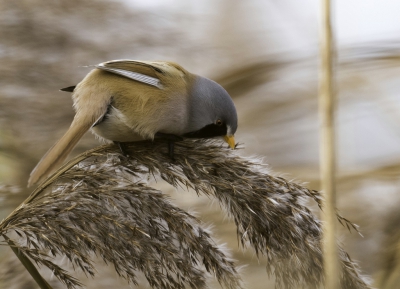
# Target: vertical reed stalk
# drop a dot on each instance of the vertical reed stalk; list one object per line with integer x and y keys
{"x": 327, "y": 148}
{"x": 40, "y": 281}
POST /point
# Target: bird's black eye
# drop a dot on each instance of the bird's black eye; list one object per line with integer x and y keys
{"x": 218, "y": 122}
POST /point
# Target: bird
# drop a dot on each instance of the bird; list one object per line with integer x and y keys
{"x": 131, "y": 100}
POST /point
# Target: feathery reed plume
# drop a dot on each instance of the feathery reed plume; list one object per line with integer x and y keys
{"x": 127, "y": 224}
{"x": 98, "y": 206}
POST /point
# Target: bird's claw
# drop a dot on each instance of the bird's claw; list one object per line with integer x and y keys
{"x": 122, "y": 148}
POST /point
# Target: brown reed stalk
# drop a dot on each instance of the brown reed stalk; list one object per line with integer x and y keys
{"x": 28, "y": 264}
{"x": 97, "y": 204}
{"x": 327, "y": 149}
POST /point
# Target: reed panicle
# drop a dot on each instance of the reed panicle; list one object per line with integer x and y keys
{"x": 100, "y": 206}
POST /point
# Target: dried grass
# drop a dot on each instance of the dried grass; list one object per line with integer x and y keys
{"x": 101, "y": 207}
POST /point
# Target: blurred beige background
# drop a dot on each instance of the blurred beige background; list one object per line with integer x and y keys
{"x": 265, "y": 53}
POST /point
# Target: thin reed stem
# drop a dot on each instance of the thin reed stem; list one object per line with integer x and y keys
{"x": 327, "y": 149}
{"x": 28, "y": 264}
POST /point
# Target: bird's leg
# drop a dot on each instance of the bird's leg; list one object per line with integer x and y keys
{"x": 122, "y": 148}
{"x": 171, "y": 145}
{"x": 171, "y": 139}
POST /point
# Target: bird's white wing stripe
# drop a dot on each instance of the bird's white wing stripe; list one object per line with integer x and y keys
{"x": 133, "y": 75}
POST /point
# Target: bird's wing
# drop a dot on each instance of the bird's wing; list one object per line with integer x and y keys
{"x": 144, "y": 72}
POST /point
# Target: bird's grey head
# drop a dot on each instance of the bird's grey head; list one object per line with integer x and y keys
{"x": 212, "y": 112}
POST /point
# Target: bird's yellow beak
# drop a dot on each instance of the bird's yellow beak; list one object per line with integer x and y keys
{"x": 230, "y": 140}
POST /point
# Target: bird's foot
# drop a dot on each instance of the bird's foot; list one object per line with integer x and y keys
{"x": 122, "y": 148}
{"x": 171, "y": 139}
{"x": 171, "y": 146}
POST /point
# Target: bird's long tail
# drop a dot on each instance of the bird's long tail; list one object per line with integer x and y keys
{"x": 59, "y": 151}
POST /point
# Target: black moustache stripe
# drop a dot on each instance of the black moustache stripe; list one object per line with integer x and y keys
{"x": 208, "y": 131}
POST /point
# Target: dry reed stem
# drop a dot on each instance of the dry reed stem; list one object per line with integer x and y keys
{"x": 28, "y": 265}
{"x": 327, "y": 148}
{"x": 99, "y": 206}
